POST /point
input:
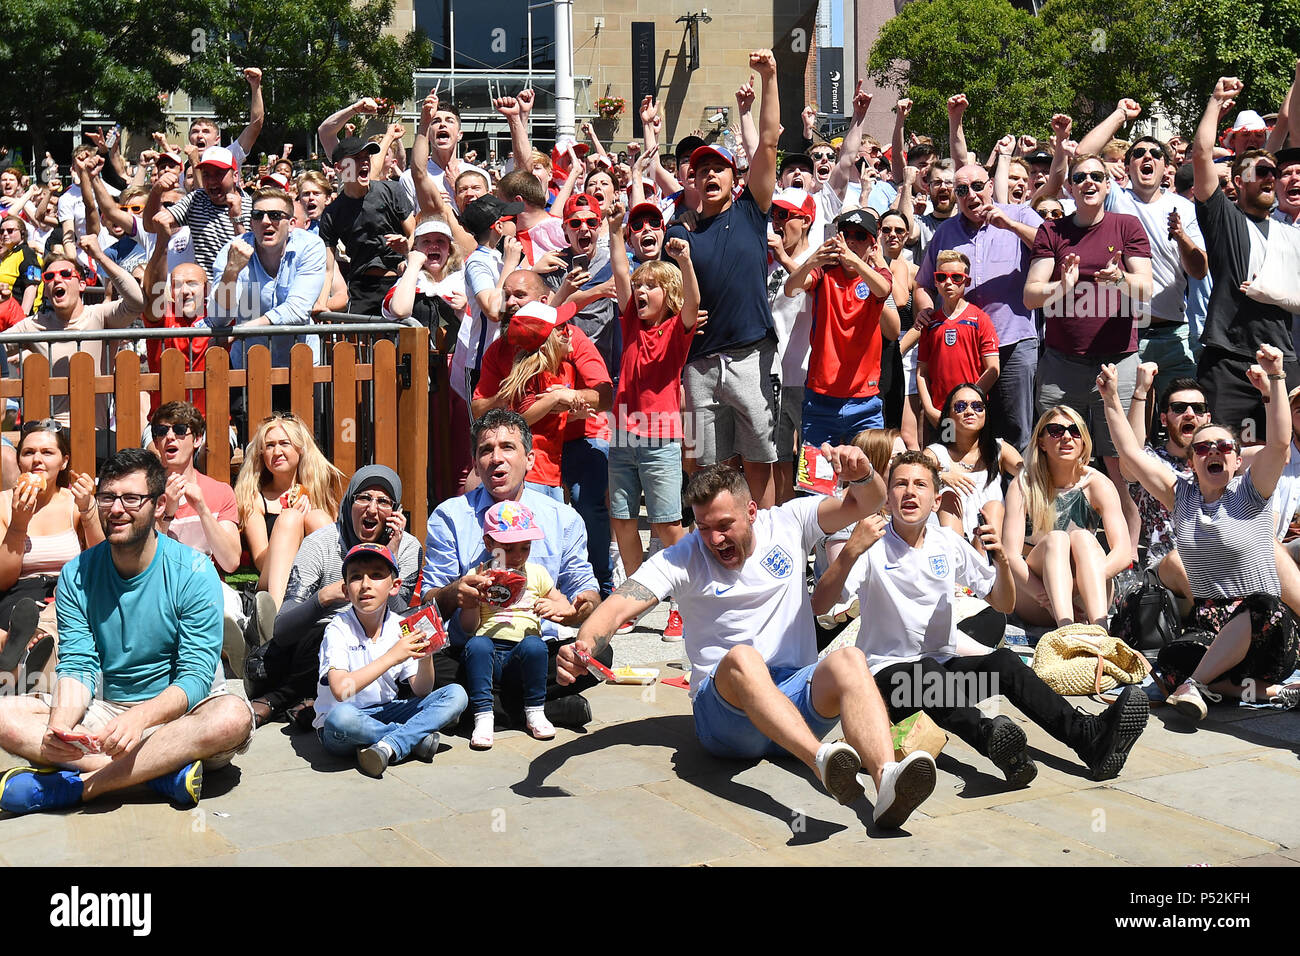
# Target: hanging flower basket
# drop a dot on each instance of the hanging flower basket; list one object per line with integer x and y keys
{"x": 610, "y": 107}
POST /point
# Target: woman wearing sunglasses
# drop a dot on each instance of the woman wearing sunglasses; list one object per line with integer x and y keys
{"x": 897, "y": 356}
{"x": 45, "y": 520}
{"x": 20, "y": 268}
{"x": 1053, "y": 512}
{"x": 971, "y": 464}
{"x": 1223, "y": 529}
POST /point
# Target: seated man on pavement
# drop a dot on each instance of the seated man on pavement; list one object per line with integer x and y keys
{"x": 455, "y": 553}
{"x": 140, "y": 622}
{"x": 757, "y": 687}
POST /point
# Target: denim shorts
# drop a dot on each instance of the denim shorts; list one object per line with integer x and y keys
{"x": 837, "y": 420}
{"x": 649, "y": 465}
{"x": 725, "y": 731}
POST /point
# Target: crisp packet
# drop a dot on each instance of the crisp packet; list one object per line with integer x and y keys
{"x": 428, "y": 622}
{"x": 507, "y": 587}
{"x": 815, "y": 473}
{"x": 595, "y": 666}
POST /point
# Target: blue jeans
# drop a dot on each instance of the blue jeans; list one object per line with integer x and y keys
{"x": 487, "y": 662}
{"x": 584, "y": 469}
{"x": 837, "y": 420}
{"x": 400, "y": 723}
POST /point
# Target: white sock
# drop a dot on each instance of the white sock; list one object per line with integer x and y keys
{"x": 530, "y": 712}
{"x": 484, "y": 722}
{"x": 384, "y": 745}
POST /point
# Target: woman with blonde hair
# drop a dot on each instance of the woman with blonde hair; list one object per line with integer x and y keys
{"x": 286, "y": 490}
{"x": 1053, "y": 511}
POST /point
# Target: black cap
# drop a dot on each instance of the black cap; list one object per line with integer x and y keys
{"x": 478, "y": 216}
{"x": 1038, "y": 156}
{"x": 1184, "y": 177}
{"x": 352, "y": 146}
{"x": 687, "y": 146}
{"x": 1285, "y": 157}
{"x": 790, "y": 159}
{"x": 863, "y": 218}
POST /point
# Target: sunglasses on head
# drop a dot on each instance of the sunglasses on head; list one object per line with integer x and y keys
{"x": 1223, "y": 446}
{"x": 275, "y": 215}
{"x": 963, "y": 190}
{"x": 44, "y": 425}
{"x": 577, "y": 222}
{"x": 136, "y": 207}
{"x": 1197, "y": 408}
{"x": 58, "y": 273}
{"x": 1056, "y": 431}
{"x": 1142, "y": 152}
{"x": 959, "y": 277}
{"x": 640, "y": 222}
{"x": 961, "y": 405}
{"x": 1096, "y": 175}
{"x": 179, "y": 429}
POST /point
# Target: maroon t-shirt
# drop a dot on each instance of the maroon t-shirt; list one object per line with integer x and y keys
{"x": 1099, "y": 320}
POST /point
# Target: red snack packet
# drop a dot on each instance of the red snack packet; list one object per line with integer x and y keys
{"x": 86, "y": 743}
{"x": 428, "y": 622}
{"x": 815, "y": 473}
{"x": 593, "y": 665}
{"x": 507, "y": 587}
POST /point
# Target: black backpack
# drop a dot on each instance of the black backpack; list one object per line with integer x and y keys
{"x": 1147, "y": 618}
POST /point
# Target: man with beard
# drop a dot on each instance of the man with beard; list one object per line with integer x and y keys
{"x": 139, "y": 639}
{"x": 1235, "y": 235}
{"x": 282, "y": 674}
{"x": 215, "y": 214}
{"x": 1177, "y": 248}
{"x": 942, "y": 183}
{"x": 997, "y": 239}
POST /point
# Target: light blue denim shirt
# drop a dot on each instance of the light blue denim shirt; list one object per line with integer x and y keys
{"x": 285, "y": 298}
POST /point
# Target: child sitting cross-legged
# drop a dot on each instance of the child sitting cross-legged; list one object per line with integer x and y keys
{"x": 507, "y": 641}
{"x": 364, "y": 658}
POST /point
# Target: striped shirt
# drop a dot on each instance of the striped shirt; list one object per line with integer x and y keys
{"x": 1226, "y": 545}
{"x": 210, "y": 226}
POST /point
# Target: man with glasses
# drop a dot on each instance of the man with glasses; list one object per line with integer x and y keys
{"x": 941, "y": 179}
{"x": 271, "y": 277}
{"x": 139, "y": 670}
{"x": 282, "y": 673}
{"x": 996, "y": 238}
{"x": 1236, "y": 235}
{"x": 1177, "y": 248}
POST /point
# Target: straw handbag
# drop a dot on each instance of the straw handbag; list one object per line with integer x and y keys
{"x": 1084, "y": 659}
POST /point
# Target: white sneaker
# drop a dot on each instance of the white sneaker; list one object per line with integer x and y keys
{"x": 904, "y": 786}
{"x": 838, "y": 765}
{"x": 1189, "y": 703}
{"x": 538, "y": 725}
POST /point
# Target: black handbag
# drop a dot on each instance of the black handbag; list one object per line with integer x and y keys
{"x": 1147, "y": 618}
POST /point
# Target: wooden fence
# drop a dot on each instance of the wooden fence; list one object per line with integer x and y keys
{"x": 382, "y": 404}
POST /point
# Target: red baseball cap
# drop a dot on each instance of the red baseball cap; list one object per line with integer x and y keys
{"x": 582, "y": 201}
{"x": 712, "y": 152}
{"x": 218, "y": 156}
{"x": 530, "y": 326}
{"x": 796, "y": 201}
{"x": 645, "y": 209}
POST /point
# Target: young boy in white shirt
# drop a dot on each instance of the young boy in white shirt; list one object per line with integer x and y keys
{"x": 906, "y": 573}
{"x": 363, "y": 661}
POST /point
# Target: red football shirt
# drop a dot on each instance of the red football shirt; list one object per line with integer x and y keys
{"x": 194, "y": 350}
{"x": 584, "y": 368}
{"x": 650, "y": 375}
{"x": 845, "y": 337}
{"x": 953, "y": 350}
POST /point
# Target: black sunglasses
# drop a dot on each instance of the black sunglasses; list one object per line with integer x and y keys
{"x": 961, "y": 405}
{"x": 275, "y": 215}
{"x": 964, "y": 190}
{"x": 1141, "y": 152}
{"x": 44, "y": 425}
{"x": 179, "y": 429}
{"x": 1199, "y": 408}
{"x": 1260, "y": 169}
{"x": 1096, "y": 175}
{"x": 1056, "y": 431}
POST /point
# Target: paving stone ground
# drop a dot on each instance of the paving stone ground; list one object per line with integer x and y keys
{"x": 637, "y": 788}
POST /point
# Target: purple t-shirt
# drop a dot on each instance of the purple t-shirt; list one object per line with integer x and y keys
{"x": 1099, "y": 320}
{"x": 999, "y": 265}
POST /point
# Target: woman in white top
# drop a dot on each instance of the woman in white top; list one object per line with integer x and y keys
{"x": 1053, "y": 512}
{"x": 1223, "y": 525}
{"x": 971, "y": 463}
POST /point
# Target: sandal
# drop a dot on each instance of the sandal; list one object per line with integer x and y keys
{"x": 263, "y": 712}
{"x": 22, "y": 625}
{"x": 301, "y": 715}
{"x": 34, "y": 663}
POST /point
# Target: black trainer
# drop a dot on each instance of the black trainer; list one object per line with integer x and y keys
{"x": 1114, "y": 732}
{"x": 426, "y": 748}
{"x": 1008, "y": 747}
{"x": 571, "y": 711}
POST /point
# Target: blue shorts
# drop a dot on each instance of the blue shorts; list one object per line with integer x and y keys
{"x": 725, "y": 731}
{"x": 837, "y": 420}
{"x": 649, "y": 465}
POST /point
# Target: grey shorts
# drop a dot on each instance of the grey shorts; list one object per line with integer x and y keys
{"x": 101, "y": 712}
{"x": 731, "y": 405}
{"x": 788, "y": 423}
{"x": 1072, "y": 380}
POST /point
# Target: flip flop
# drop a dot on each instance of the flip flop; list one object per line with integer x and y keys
{"x": 22, "y": 625}
{"x": 36, "y": 659}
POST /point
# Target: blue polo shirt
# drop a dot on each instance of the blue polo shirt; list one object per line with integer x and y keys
{"x": 454, "y": 546}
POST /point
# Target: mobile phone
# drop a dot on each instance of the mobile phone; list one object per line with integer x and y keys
{"x": 581, "y": 262}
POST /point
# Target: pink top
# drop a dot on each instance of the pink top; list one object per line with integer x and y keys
{"x": 48, "y": 553}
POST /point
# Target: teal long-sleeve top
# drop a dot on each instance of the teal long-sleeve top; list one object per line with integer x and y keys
{"x": 129, "y": 639}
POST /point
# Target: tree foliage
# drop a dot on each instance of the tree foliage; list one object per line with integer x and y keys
{"x": 316, "y": 56}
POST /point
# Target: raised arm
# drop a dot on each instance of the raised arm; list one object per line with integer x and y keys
{"x": 132, "y": 298}
{"x": 957, "y": 104}
{"x": 328, "y": 131}
{"x": 512, "y": 108}
{"x": 1139, "y": 406}
{"x": 1002, "y": 169}
{"x": 762, "y": 162}
{"x": 1268, "y": 376}
{"x": 896, "y": 160}
{"x": 155, "y": 285}
{"x": 1136, "y": 464}
{"x": 82, "y": 169}
{"x": 846, "y": 166}
{"x": 379, "y": 161}
{"x": 680, "y": 251}
{"x": 1062, "y": 151}
{"x": 618, "y": 258}
{"x": 256, "y": 111}
{"x": 1125, "y": 111}
{"x": 1205, "y": 178}
{"x": 745, "y": 116}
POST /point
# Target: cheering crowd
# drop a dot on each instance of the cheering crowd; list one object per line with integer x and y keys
{"x": 1033, "y": 375}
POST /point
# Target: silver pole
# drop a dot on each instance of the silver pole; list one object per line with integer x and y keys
{"x": 564, "y": 106}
